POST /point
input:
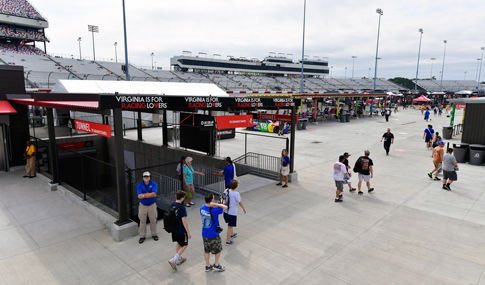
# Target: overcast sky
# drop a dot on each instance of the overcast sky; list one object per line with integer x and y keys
{"x": 253, "y": 28}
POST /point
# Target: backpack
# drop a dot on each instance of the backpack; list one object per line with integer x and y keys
{"x": 225, "y": 200}
{"x": 357, "y": 166}
{"x": 170, "y": 219}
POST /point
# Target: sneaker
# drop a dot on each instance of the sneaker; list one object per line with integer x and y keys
{"x": 181, "y": 260}
{"x": 234, "y": 235}
{"x": 192, "y": 203}
{"x": 360, "y": 192}
{"x": 219, "y": 268}
{"x": 209, "y": 268}
{"x": 436, "y": 179}
{"x": 187, "y": 205}
{"x": 448, "y": 187}
{"x": 338, "y": 200}
{"x": 352, "y": 189}
{"x": 430, "y": 175}
{"x": 229, "y": 243}
{"x": 444, "y": 187}
{"x": 141, "y": 240}
{"x": 173, "y": 264}
{"x": 279, "y": 184}
{"x": 155, "y": 238}
{"x": 370, "y": 190}
{"x": 340, "y": 196}
{"x": 285, "y": 186}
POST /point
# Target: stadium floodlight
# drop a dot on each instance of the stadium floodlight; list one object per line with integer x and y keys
{"x": 431, "y": 73}
{"x": 478, "y": 64}
{"x": 464, "y": 77}
{"x": 127, "y": 72}
{"x": 79, "y": 40}
{"x": 345, "y": 76}
{"x": 368, "y": 76}
{"x": 353, "y": 61}
{"x": 152, "y": 59}
{"x": 443, "y": 67}
{"x": 417, "y": 67}
{"x": 480, "y": 73}
{"x": 331, "y": 67}
{"x": 93, "y": 29}
{"x": 116, "y": 52}
{"x": 303, "y": 47}
{"x": 380, "y": 12}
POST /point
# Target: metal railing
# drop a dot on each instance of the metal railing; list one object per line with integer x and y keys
{"x": 457, "y": 129}
{"x": 258, "y": 164}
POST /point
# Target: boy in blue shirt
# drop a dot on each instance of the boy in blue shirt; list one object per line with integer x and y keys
{"x": 182, "y": 234}
{"x": 209, "y": 213}
{"x": 428, "y": 135}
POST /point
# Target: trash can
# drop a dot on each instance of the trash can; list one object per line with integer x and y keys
{"x": 342, "y": 118}
{"x": 476, "y": 154}
{"x": 299, "y": 125}
{"x": 303, "y": 124}
{"x": 347, "y": 117}
{"x": 447, "y": 132}
{"x": 460, "y": 150}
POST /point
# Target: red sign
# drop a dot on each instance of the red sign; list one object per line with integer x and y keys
{"x": 232, "y": 122}
{"x": 460, "y": 106}
{"x": 93, "y": 128}
{"x": 71, "y": 145}
{"x": 276, "y": 117}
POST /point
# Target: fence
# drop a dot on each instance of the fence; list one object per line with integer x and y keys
{"x": 457, "y": 129}
{"x": 87, "y": 176}
{"x": 168, "y": 183}
{"x": 258, "y": 164}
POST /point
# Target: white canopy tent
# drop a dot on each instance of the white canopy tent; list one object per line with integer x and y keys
{"x": 138, "y": 88}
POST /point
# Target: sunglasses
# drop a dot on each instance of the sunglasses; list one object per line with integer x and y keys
{"x": 146, "y": 176}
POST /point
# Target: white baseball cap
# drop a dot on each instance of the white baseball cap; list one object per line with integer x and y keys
{"x": 146, "y": 173}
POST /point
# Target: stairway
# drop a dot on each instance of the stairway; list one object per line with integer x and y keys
{"x": 61, "y": 66}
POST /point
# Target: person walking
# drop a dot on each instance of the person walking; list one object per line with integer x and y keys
{"x": 285, "y": 168}
{"x": 188, "y": 174}
{"x": 30, "y": 155}
{"x": 347, "y": 166}
{"x": 427, "y": 136}
{"x": 449, "y": 169}
{"x": 210, "y": 212}
{"x": 437, "y": 159}
{"x": 339, "y": 171}
{"x": 182, "y": 234}
{"x": 426, "y": 115}
{"x": 388, "y": 138}
{"x": 363, "y": 166}
{"x": 230, "y": 215}
{"x": 388, "y": 113}
{"x": 147, "y": 194}
{"x": 229, "y": 172}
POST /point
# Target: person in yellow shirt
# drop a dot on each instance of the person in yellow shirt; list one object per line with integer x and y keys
{"x": 30, "y": 154}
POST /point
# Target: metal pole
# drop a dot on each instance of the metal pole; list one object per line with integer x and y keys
{"x": 82, "y": 177}
{"x": 165, "y": 128}
{"x": 126, "y": 44}
{"x": 292, "y": 138}
{"x": 94, "y": 50}
{"x": 80, "y": 56}
{"x": 480, "y": 73}
{"x": 303, "y": 49}
{"x": 431, "y": 73}
{"x": 53, "y": 163}
{"x": 443, "y": 67}
{"x": 245, "y": 147}
{"x": 120, "y": 168}
{"x": 353, "y": 64}
{"x": 116, "y": 52}
{"x": 138, "y": 125}
{"x": 417, "y": 68}
{"x": 380, "y": 12}
{"x": 478, "y": 64}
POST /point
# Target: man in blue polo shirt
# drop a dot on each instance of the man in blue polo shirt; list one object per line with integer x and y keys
{"x": 147, "y": 194}
{"x": 209, "y": 213}
{"x": 228, "y": 173}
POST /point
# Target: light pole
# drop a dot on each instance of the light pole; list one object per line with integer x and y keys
{"x": 126, "y": 44}
{"x": 331, "y": 68}
{"x": 464, "y": 78}
{"x": 152, "y": 60}
{"x": 353, "y": 62}
{"x": 345, "y": 77}
{"x": 431, "y": 73}
{"x": 417, "y": 68}
{"x": 443, "y": 67}
{"x": 380, "y": 12}
{"x": 79, "y": 40}
{"x": 478, "y": 64}
{"x": 93, "y": 29}
{"x": 480, "y": 73}
{"x": 368, "y": 76}
{"x": 303, "y": 47}
{"x": 116, "y": 52}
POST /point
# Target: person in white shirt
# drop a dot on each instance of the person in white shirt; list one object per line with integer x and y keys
{"x": 233, "y": 199}
{"x": 339, "y": 171}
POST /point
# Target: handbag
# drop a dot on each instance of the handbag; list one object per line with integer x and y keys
{"x": 235, "y": 176}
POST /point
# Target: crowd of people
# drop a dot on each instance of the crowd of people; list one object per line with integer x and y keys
{"x": 21, "y": 8}
{"x": 21, "y": 49}
{"x": 21, "y": 33}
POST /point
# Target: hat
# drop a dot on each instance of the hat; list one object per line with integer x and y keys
{"x": 188, "y": 159}
{"x": 228, "y": 159}
{"x": 366, "y": 152}
{"x": 182, "y": 158}
{"x": 345, "y": 154}
{"x": 441, "y": 142}
{"x": 437, "y": 133}
{"x": 146, "y": 173}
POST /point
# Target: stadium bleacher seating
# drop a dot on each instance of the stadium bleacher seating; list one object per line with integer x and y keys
{"x": 21, "y": 33}
{"x": 21, "y": 8}
{"x": 448, "y": 85}
{"x": 25, "y": 49}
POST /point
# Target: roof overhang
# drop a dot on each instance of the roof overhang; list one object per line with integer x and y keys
{"x": 6, "y": 108}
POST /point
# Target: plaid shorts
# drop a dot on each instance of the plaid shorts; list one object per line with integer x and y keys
{"x": 212, "y": 245}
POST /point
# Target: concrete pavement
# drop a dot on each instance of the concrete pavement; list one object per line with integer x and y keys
{"x": 408, "y": 231}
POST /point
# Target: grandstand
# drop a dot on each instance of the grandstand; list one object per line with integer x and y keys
{"x": 449, "y": 85}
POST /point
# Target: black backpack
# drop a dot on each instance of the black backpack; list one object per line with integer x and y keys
{"x": 170, "y": 219}
{"x": 357, "y": 166}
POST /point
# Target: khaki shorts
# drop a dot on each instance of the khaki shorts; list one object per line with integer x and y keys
{"x": 340, "y": 185}
{"x": 366, "y": 178}
{"x": 436, "y": 164}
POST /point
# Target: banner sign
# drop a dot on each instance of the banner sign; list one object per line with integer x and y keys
{"x": 73, "y": 145}
{"x": 276, "y": 117}
{"x": 232, "y": 122}
{"x": 93, "y": 128}
{"x": 460, "y": 106}
{"x": 164, "y": 102}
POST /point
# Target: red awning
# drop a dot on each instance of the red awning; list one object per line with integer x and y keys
{"x": 6, "y": 108}
{"x": 59, "y": 104}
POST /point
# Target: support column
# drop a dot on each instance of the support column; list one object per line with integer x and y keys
{"x": 138, "y": 126}
{"x": 120, "y": 168}
{"x": 292, "y": 139}
{"x": 53, "y": 161}
{"x": 165, "y": 129}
